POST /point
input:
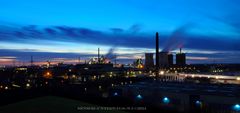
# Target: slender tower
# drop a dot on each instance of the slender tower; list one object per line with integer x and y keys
{"x": 157, "y": 53}
{"x": 115, "y": 60}
{"x": 79, "y": 60}
{"x": 98, "y": 55}
{"x": 31, "y": 61}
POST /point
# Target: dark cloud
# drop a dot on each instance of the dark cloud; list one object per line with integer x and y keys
{"x": 68, "y": 31}
{"x": 88, "y": 32}
{"x": 116, "y": 30}
{"x": 179, "y": 38}
{"x": 50, "y": 31}
{"x": 31, "y": 31}
{"x": 19, "y": 34}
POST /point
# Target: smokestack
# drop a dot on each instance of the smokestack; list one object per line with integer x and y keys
{"x": 31, "y": 61}
{"x": 180, "y": 50}
{"x": 98, "y": 55}
{"x": 115, "y": 60}
{"x": 157, "y": 52}
{"x": 79, "y": 60}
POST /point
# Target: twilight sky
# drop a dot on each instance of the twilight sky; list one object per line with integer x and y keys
{"x": 63, "y": 30}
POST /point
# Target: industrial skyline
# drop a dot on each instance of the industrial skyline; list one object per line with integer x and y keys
{"x": 208, "y": 31}
{"x": 120, "y": 56}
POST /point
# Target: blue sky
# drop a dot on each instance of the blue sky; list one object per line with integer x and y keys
{"x": 208, "y": 30}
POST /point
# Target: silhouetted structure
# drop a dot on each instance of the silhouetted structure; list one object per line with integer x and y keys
{"x": 31, "y": 61}
{"x": 180, "y": 58}
{"x": 79, "y": 60}
{"x": 157, "y": 53}
{"x": 98, "y": 55}
{"x": 149, "y": 62}
{"x": 170, "y": 59}
{"x": 163, "y": 59}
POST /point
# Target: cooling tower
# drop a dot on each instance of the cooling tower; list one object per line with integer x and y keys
{"x": 149, "y": 62}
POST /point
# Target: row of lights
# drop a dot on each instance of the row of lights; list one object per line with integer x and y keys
{"x": 166, "y": 100}
{"x": 216, "y": 77}
{"x": 183, "y": 68}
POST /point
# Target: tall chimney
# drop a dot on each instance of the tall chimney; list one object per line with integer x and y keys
{"x": 98, "y": 55}
{"x": 180, "y": 50}
{"x": 31, "y": 61}
{"x": 79, "y": 60}
{"x": 157, "y": 52}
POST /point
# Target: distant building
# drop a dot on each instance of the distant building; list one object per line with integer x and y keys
{"x": 163, "y": 59}
{"x": 149, "y": 62}
{"x": 170, "y": 59}
{"x": 180, "y": 58}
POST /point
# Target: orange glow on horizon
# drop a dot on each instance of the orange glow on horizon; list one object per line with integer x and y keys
{"x": 48, "y": 75}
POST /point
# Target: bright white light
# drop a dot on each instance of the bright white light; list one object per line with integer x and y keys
{"x": 161, "y": 72}
{"x": 238, "y": 78}
{"x": 28, "y": 85}
{"x": 193, "y": 76}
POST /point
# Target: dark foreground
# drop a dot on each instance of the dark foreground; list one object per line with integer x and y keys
{"x": 67, "y": 99}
